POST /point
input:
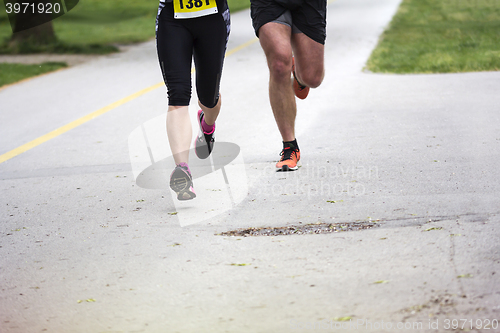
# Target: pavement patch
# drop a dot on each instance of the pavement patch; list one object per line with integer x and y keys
{"x": 306, "y": 229}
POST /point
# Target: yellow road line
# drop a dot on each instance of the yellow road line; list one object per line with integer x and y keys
{"x": 61, "y": 130}
{"x": 73, "y": 124}
{"x": 242, "y": 46}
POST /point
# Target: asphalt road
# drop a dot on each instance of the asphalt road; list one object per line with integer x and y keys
{"x": 92, "y": 240}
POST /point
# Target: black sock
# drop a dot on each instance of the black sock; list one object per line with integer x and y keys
{"x": 292, "y": 144}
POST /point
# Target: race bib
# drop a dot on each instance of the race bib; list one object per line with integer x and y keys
{"x": 194, "y": 8}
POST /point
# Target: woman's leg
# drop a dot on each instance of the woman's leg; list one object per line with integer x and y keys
{"x": 209, "y": 52}
{"x": 179, "y": 132}
{"x": 211, "y": 114}
{"x": 175, "y": 51}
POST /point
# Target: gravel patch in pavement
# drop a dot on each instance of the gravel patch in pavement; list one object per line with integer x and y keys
{"x": 314, "y": 228}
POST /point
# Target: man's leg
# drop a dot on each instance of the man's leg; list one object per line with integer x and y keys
{"x": 275, "y": 39}
{"x": 309, "y": 60}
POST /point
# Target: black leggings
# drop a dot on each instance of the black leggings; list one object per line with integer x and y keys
{"x": 179, "y": 40}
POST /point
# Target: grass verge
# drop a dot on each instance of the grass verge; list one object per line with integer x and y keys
{"x": 440, "y": 36}
{"x": 10, "y": 73}
{"x": 96, "y": 26}
{"x": 237, "y": 5}
{"x": 92, "y": 27}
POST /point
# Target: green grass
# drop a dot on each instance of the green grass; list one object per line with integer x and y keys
{"x": 95, "y": 26}
{"x": 10, "y": 73}
{"x": 440, "y": 36}
{"x": 236, "y": 5}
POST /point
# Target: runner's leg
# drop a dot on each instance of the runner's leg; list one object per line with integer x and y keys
{"x": 308, "y": 45}
{"x": 275, "y": 39}
{"x": 179, "y": 132}
{"x": 211, "y": 114}
{"x": 174, "y": 44}
{"x": 209, "y": 51}
{"x": 309, "y": 60}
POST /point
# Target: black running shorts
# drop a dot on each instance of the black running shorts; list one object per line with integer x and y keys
{"x": 178, "y": 41}
{"x": 309, "y": 17}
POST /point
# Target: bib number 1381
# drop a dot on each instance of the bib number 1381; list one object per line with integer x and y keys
{"x": 190, "y": 3}
{"x": 194, "y": 8}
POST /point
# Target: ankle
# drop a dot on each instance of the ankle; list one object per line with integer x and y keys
{"x": 207, "y": 129}
{"x": 184, "y": 165}
{"x": 291, "y": 144}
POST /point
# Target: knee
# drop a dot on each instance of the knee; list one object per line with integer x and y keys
{"x": 209, "y": 102}
{"x": 312, "y": 79}
{"x": 179, "y": 93}
{"x": 280, "y": 65}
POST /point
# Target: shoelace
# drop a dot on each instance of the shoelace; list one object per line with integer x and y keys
{"x": 212, "y": 139}
{"x": 286, "y": 153}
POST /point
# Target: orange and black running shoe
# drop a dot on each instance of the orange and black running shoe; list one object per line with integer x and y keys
{"x": 289, "y": 158}
{"x": 300, "y": 90}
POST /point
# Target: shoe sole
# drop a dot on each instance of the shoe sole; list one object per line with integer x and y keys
{"x": 286, "y": 168}
{"x": 300, "y": 93}
{"x": 180, "y": 183}
{"x": 201, "y": 148}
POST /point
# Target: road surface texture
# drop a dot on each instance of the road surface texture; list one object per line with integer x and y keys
{"x": 86, "y": 247}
